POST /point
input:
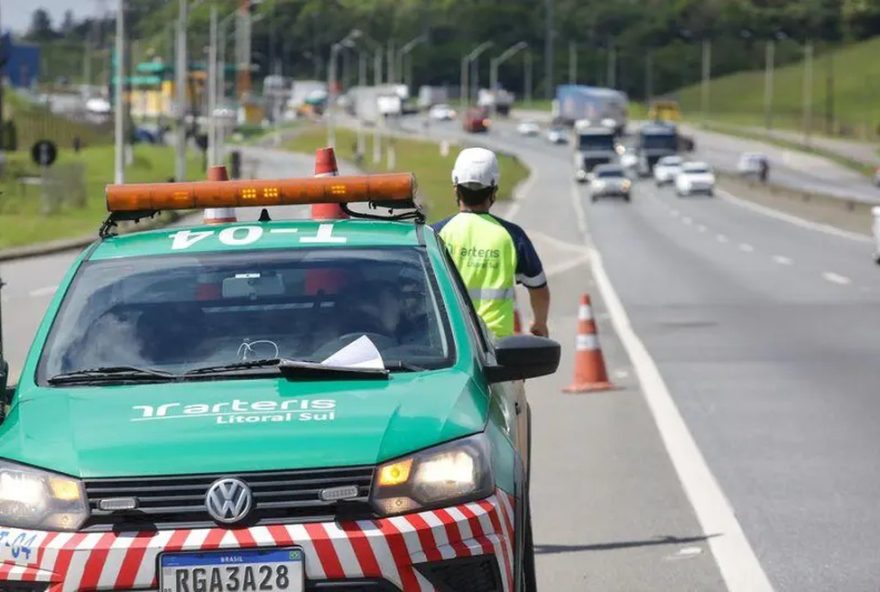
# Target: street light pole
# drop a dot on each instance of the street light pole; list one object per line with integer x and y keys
{"x": 572, "y": 62}
{"x": 707, "y": 73}
{"x": 612, "y": 65}
{"x": 465, "y": 64}
{"x": 808, "y": 91}
{"x": 118, "y": 115}
{"x": 212, "y": 89}
{"x": 331, "y": 96}
{"x": 180, "y": 92}
{"x": 768, "y": 84}
{"x": 494, "y": 63}
{"x": 527, "y": 76}
{"x": 404, "y": 51}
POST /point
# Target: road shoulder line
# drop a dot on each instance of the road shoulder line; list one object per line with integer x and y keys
{"x": 737, "y": 562}
{"x": 790, "y": 218}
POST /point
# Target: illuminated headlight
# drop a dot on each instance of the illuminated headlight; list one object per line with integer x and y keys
{"x": 452, "y": 473}
{"x": 35, "y": 499}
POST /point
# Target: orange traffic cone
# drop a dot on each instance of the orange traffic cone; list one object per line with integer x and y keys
{"x": 589, "y": 364}
{"x": 325, "y": 166}
{"x": 219, "y": 215}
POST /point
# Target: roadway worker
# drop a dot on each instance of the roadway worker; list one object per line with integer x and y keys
{"x": 491, "y": 254}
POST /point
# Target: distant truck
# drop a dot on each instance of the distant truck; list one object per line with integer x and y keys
{"x": 432, "y": 95}
{"x": 655, "y": 140}
{"x": 593, "y": 146}
{"x": 603, "y": 107}
{"x": 664, "y": 110}
{"x": 501, "y": 100}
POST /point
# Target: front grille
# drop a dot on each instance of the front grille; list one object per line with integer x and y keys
{"x": 280, "y": 497}
{"x": 468, "y": 574}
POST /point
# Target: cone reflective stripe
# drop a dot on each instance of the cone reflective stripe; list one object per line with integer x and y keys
{"x": 589, "y": 364}
{"x": 325, "y": 166}
{"x": 219, "y": 215}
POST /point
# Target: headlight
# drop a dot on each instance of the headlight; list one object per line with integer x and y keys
{"x": 35, "y": 499}
{"x": 626, "y": 184}
{"x": 452, "y": 473}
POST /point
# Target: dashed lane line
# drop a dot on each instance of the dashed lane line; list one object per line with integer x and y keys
{"x": 701, "y": 228}
{"x": 836, "y": 278}
{"x": 721, "y": 238}
{"x": 782, "y": 260}
{"x": 746, "y": 248}
{"x": 739, "y": 566}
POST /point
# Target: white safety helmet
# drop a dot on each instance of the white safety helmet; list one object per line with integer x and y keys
{"x": 476, "y": 168}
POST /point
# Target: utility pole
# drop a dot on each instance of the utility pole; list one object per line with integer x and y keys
{"x": 464, "y": 93}
{"x": 612, "y": 65}
{"x": 331, "y": 96}
{"x": 649, "y": 75}
{"x": 180, "y": 92}
{"x": 808, "y": 91}
{"x": 768, "y": 84}
{"x": 549, "y": 34}
{"x": 213, "y": 153}
{"x": 527, "y": 76}
{"x": 362, "y": 84}
{"x": 829, "y": 91}
{"x": 707, "y": 74}
{"x": 572, "y": 62}
{"x": 118, "y": 114}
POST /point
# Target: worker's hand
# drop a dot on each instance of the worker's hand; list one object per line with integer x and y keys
{"x": 539, "y": 329}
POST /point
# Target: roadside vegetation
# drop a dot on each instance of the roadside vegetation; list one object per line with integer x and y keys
{"x": 432, "y": 170}
{"x": 23, "y": 210}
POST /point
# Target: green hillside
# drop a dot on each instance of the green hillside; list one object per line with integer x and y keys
{"x": 739, "y": 98}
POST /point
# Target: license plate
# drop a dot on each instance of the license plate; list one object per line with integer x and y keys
{"x": 250, "y": 570}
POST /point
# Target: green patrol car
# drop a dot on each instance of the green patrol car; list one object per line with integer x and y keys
{"x": 270, "y": 406}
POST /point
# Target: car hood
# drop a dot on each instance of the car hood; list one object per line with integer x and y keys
{"x": 239, "y": 425}
{"x": 698, "y": 177}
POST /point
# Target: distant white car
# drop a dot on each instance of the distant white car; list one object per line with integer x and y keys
{"x": 695, "y": 177}
{"x": 609, "y": 180}
{"x": 528, "y": 128}
{"x": 441, "y": 112}
{"x": 557, "y": 135}
{"x": 666, "y": 169}
{"x": 877, "y": 176}
{"x": 750, "y": 164}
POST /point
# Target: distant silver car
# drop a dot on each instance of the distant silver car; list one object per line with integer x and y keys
{"x": 557, "y": 135}
{"x": 528, "y": 128}
{"x": 750, "y": 164}
{"x": 609, "y": 180}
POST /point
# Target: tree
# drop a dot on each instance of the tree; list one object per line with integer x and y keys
{"x": 41, "y": 26}
{"x": 68, "y": 24}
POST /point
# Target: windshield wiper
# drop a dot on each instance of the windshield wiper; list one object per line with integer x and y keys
{"x": 401, "y": 366}
{"x": 302, "y": 369}
{"x": 234, "y": 367}
{"x": 111, "y": 374}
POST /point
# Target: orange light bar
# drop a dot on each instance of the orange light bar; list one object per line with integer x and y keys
{"x": 389, "y": 187}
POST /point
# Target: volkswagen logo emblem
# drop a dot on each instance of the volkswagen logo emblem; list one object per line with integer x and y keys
{"x": 229, "y": 500}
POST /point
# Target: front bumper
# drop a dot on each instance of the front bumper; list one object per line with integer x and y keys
{"x": 393, "y": 549}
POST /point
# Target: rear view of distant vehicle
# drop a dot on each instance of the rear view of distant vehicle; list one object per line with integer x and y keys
{"x": 593, "y": 146}
{"x": 666, "y": 169}
{"x": 664, "y": 110}
{"x": 441, "y": 112}
{"x": 600, "y": 106}
{"x": 750, "y": 164}
{"x": 557, "y": 135}
{"x": 476, "y": 120}
{"x": 695, "y": 177}
{"x": 609, "y": 180}
{"x": 528, "y": 128}
{"x": 655, "y": 140}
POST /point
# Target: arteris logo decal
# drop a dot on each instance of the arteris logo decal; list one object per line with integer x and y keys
{"x": 241, "y": 412}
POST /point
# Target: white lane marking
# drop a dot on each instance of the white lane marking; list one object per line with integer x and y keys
{"x": 782, "y": 260}
{"x": 740, "y": 568}
{"x": 554, "y": 270}
{"x": 835, "y": 278}
{"x": 689, "y": 551}
{"x": 701, "y": 228}
{"x": 620, "y": 374}
{"x": 520, "y": 194}
{"x": 791, "y": 219}
{"x": 687, "y": 220}
{"x": 673, "y": 213}
{"x": 746, "y": 247}
{"x": 721, "y": 238}
{"x": 45, "y": 291}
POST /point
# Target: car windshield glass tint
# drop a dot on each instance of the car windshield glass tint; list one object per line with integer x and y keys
{"x": 696, "y": 170}
{"x": 180, "y": 312}
{"x": 610, "y": 173}
{"x": 596, "y": 143}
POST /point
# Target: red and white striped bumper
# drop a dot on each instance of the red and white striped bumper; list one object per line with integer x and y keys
{"x": 386, "y": 548}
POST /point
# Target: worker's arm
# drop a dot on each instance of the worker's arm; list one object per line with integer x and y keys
{"x": 540, "y": 300}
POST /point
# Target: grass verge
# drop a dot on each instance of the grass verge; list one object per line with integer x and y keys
{"x": 22, "y": 221}
{"x": 419, "y": 157}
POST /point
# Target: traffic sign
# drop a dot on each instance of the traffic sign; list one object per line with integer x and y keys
{"x": 44, "y": 152}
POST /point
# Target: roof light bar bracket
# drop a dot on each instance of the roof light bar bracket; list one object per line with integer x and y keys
{"x": 411, "y": 212}
{"x": 107, "y": 228}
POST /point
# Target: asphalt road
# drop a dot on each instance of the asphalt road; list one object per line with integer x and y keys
{"x": 765, "y": 335}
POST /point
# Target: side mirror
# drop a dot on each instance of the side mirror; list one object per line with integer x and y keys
{"x": 6, "y": 391}
{"x": 523, "y": 356}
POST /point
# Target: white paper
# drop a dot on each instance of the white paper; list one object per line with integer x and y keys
{"x": 360, "y": 353}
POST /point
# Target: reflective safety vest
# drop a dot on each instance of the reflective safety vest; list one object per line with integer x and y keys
{"x": 485, "y": 254}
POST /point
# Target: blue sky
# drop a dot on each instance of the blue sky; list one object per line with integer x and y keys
{"x": 16, "y": 14}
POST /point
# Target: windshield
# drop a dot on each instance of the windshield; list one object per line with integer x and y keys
{"x": 609, "y": 173}
{"x": 696, "y": 170}
{"x": 178, "y": 313}
{"x": 655, "y": 141}
{"x": 597, "y": 142}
